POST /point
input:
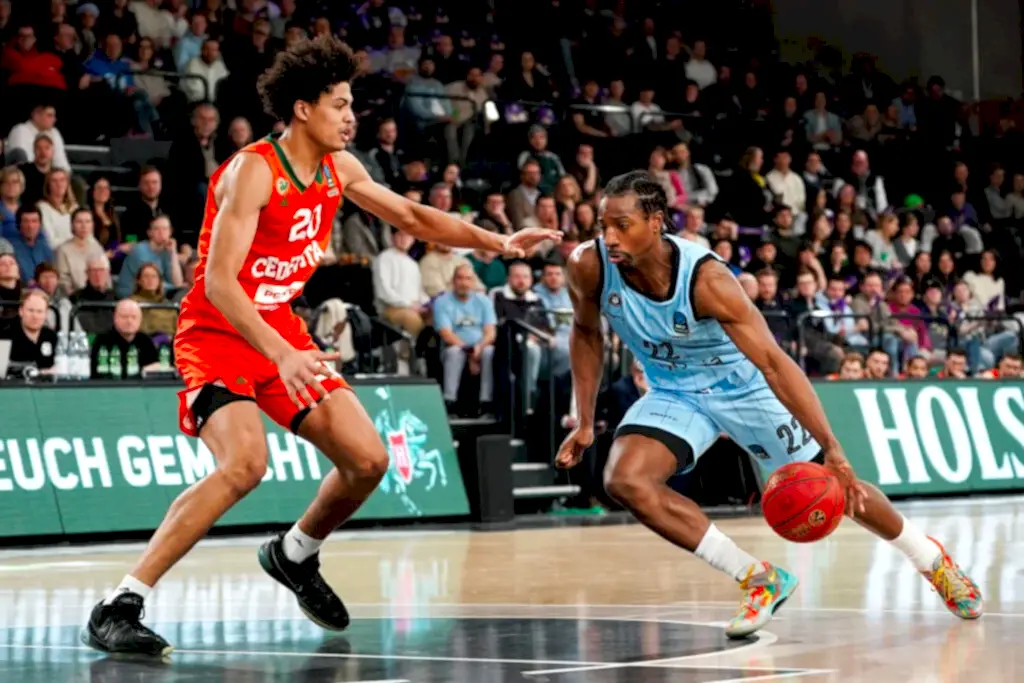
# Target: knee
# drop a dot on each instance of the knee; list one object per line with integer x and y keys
{"x": 629, "y": 488}
{"x": 370, "y": 467}
{"x": 245, "y": 471}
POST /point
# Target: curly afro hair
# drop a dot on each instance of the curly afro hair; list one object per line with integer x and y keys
{"x": 304, "y": 73}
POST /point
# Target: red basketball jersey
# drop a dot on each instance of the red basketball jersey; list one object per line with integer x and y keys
{"x": 293, "y": 233}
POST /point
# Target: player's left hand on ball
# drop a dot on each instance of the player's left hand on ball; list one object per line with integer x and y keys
{"x": 522, "y": 243}
{"x": 856, "y": 494}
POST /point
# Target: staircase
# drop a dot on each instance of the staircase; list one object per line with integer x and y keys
{"x": 88, "y": 161}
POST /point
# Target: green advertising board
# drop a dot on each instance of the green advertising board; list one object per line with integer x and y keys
{"x": 939, "y": 437}
{"x": 86, "y": 459}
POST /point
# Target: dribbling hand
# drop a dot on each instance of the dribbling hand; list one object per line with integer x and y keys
{"x": 571, "y": 450}
{"x": 299, "y": 371}
{"x": 836, "y": 462}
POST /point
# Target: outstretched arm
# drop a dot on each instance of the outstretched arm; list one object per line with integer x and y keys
{"x": 425, "y": 222}
{"x": 586, "y": 348}
{"x": 718, "y": 295}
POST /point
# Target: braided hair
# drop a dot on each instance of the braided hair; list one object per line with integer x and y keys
{"x": 650, "y": 195}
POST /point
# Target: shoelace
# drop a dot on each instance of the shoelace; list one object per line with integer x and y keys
{"x": 133, "y": 613}
{"x": 951, "y": 583}
{"x": 757, "y": 592}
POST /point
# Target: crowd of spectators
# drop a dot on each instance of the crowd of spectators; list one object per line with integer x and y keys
{"x": 848, "y": 205}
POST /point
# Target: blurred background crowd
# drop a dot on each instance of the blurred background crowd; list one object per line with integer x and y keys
{"x": 876, "y": 222}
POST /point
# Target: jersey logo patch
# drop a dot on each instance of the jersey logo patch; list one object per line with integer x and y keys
{"x": 329, "y": 177}
{"x": 680, "y": 325}
{"x": 275, "y": 295}
{"x": 282, "y": 185}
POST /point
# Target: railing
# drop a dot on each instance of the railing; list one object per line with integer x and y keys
{"x": 875, "y": 337}
{"x": 1002, "y": 317}
{"x": 158, "y": 339}
{"x": 178, "y": 77}
{"x": 442, "y": 96}
{"x": 519, "y": 333}
{"x": 821, "y": 316}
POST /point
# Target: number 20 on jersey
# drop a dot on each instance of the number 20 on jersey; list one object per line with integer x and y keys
{"x": 307, "y": 224}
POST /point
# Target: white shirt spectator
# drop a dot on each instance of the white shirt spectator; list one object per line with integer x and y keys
{"x": 702, "y": 72}
{"x": 23, "y": 137}
{"x": 211, "y": 73}
{"x": 396, "y": 280}
{"x": 155, "y": 23}
{"x": 56, "y": 225}
{"x": 790, "y": 186}
{"x": 645, "y": 115}
{"x": 986, "y": 288}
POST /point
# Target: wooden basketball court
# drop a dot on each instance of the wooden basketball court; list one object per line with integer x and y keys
{"x": 606, "y": 603}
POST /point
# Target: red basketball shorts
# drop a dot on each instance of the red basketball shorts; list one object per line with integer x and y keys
{"x": 215, "y": 357}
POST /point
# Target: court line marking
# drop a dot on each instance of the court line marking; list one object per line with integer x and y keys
{"x": 988, "y": 502}
{"x": 765, "y": 638}
{"x": 779, "y": 676}
{"x": 669, "y": 608}
{"x": 667, "y": 663}
{"x": 331, "y": 655}
{"x": 857, "y": 610}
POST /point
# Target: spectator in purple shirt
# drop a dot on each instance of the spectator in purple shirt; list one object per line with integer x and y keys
{"x": 903, "y": 310}
{"x": 961, "y": 211}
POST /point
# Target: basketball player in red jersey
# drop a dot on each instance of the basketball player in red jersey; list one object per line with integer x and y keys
{"x": 240, "y": 348}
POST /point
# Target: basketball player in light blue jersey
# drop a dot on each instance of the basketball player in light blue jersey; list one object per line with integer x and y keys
{"x": 713, "y": 367}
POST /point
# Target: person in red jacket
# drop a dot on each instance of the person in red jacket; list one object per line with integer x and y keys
{"x": 1009, "y": 367}
{"x": 29, "y": 66}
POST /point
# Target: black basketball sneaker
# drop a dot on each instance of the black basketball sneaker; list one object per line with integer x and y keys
{"x": 316, "y": 599}
{"x": 117, "y": 628}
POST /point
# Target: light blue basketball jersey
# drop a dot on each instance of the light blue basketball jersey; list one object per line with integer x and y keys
{"x": 678, "y": 351}
{"x": 701, "y": 385}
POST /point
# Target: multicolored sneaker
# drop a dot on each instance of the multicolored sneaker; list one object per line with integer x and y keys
{"x": 766, "y": 587}
{"x": 957, "y": 590}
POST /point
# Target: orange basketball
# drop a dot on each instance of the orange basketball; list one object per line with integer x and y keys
{"x": 803, "y": 502}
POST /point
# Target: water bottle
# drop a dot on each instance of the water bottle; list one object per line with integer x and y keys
{"x": 165, "y": 358}
{"x": 103, "y": 362}
{"x": 61, "y": 362}
{"x": 83, "y": 357}
{"x": 116, "y": 359}
{"x": 132, "y": 366}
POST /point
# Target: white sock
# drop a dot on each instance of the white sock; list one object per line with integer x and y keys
{"x": 129, "y": 584}
{"x": 723, "y": 554}
{"x": 919, "y": 549}
{"x": 299, "y": 546}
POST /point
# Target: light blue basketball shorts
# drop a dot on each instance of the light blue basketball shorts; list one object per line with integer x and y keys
{"x": 751, "y": 416}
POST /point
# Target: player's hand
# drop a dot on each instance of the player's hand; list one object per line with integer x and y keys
{"x": 571, "y": 450}
{"x": 522, "y": 243}
{"x": 836, "y": 462}
{"x": 299, "y": 371}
